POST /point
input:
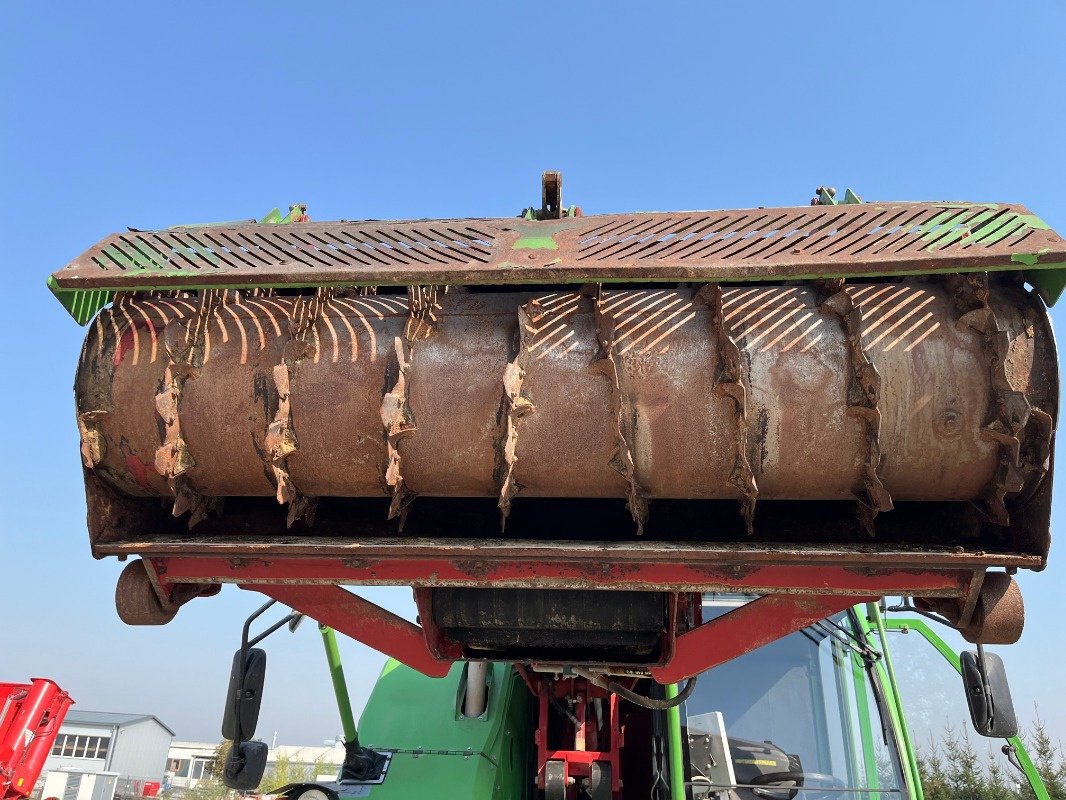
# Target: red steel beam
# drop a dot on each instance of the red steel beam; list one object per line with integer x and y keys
{"x": 793, "y": 597}
{"x": 361, "y": 620}
{"x": 657, "y": 576}
{"x": 763, "y": 620}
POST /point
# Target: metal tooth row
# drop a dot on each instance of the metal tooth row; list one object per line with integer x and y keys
{"x": 1013, "y": 414}
{"x": 398, "y": 420}
{"x": 1023, "y": 432}
{"x": 95, "y": 407}
{"x": 423, "y": 303}
{"x": 281, "y": 442}
{"x": 622, "y": 460}
{"x": 730, "y": 382}
{"x": 864, "y": 391}
{"x": 514, "y": 405}
{"x": 173, "y": 459}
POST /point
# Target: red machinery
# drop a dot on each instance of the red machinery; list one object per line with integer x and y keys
{"x": 29, "y": 721}
{"x": 560, "y": 430}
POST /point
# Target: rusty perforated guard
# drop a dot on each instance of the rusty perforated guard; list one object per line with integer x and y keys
{"x": 767, "y": 243}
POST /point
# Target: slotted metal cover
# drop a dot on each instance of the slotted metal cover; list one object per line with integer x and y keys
{"x": 753, "y": 244}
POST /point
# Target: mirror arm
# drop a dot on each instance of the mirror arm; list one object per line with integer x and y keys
{"x": 288, "y": 620}
{"x": 908, "y": 607}
{"x": 245, "y": 644}
{"x": 1011, "y": 752}
{"x": 244, "y": 765}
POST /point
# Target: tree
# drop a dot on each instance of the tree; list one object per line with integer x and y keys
{"x": 951, "y": 768}
{"x": 1048, "y": 758}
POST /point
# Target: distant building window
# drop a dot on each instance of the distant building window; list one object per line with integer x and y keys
{"x": 69, "y": 745}
{"x": 202, "y": 767}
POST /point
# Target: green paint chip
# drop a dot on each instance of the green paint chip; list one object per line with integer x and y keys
{"x": 536, "y": 243}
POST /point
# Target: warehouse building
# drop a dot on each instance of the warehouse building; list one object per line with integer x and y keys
{"x": 129, "y": 745}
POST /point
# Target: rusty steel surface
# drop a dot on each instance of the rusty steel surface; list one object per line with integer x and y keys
{"x": 889, "y": 392}
{"x": 472, "y": 552}
{"x": 554, "y": 572}
{"x": 999, "y": 614}
{"x": 819, "y": 405}
{"x": 751, "y": 244}
{"x": 137, "y": 597}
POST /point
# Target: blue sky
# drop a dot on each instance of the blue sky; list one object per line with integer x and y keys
{"x": 151, "y": 115}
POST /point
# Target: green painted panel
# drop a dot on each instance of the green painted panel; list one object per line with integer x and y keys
{"x": 486, "y": 757}
{"x": 536, "y": 243}
{"x": 442, "y": 777}
{"x": 81, "y": 305}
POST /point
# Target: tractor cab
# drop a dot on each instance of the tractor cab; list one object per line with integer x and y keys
{"x": 806, "y": 716}
{"x": 819, "y": 714}
{"x": 816, "y": 714}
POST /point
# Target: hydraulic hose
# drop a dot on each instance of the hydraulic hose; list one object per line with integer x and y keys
{"x": 639, "y": 699}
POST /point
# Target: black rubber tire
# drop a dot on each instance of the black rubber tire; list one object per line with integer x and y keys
{"x": 600, "y": 781}
{"x": 555, "y": 780}
{"x": 136, "y": 599}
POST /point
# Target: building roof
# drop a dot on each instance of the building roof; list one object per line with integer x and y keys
{"x": 110, "y": 718}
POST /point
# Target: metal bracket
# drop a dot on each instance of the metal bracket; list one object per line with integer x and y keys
{"x": 551, "y": 195}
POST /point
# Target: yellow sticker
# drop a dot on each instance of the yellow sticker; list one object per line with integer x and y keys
{"x": 759, "y": 762}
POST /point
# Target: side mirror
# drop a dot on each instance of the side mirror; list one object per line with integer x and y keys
{"x": 247, "y": 679}
{"x": 988, "y": 695}
{"x": 245, "y": 765}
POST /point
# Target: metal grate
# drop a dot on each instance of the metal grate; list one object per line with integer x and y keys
{"x": 313, "y": 246}
{"x": 811, "y": 233}
{"x": 756, "y": 244}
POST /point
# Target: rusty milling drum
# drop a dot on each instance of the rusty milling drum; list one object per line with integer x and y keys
{"x": 904, "y": 390}
{"x": 574, "y": 425}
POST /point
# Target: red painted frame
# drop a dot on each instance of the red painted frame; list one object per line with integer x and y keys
{"x": 660, "y": 575}
{"x": 587, "y": 749}
{"x": 792, "y": 597}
